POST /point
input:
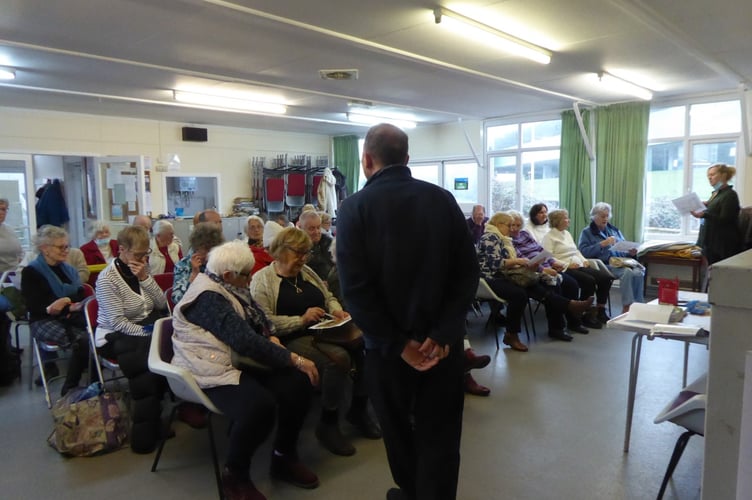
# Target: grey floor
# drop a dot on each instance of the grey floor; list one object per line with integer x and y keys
{"x": 552, "y": 428}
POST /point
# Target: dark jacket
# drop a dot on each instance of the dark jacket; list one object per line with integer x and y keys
{"x": 719, "y": 235}
{"x": 406, "y": 261}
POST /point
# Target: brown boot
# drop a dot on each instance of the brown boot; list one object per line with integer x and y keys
{"x": 512, "y": 340}
{"x": 580, "y": 307}
{"x": 590, "y": 319}
{"x": 474, "y": 388}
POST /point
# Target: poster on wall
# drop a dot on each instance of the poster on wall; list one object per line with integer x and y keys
{"x": 460, "y": 184}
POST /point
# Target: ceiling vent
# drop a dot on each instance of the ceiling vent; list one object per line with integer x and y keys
{"x": 338, "y": 74}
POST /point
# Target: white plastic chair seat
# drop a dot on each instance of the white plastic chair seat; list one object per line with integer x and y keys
{"x": 687, "y": 409}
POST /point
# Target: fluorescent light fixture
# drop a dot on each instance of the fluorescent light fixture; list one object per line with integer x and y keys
{"x": 229, "y": 103}
{"x": 7, "y": 74}
{"x": 490, "y": 35}
{"x": 616, "y": 84}
{"x": 374, "y": 120}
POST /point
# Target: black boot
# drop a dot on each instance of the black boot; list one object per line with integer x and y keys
{"x": 330, "y": 436}
{"x": 76, "y": 365}
{"x": 590, "y": 319}
{"x": 361, "y": 419}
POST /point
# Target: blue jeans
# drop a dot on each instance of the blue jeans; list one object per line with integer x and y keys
{"x": 631, "y": 284}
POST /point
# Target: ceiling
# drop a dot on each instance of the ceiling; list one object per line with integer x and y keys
{"x": 124, "y": 57}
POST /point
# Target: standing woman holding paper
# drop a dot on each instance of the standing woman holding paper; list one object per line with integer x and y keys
{"x": 719, "y": 235}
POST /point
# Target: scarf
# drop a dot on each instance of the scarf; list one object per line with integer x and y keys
{"x": 253, "y": 312}
{"x": 59, "y": 288}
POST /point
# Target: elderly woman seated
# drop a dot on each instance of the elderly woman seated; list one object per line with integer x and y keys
{"x": 204, "y": 237}
{"x": 130, "y": 301}
{"x": 217, "y": 316}
{"x": 498, "y": 260}
{"x": 294, "y": 297}
{"x": 100, "y": 250}
{"x": 255, "y": 232}
{"x": 165, "y": 251}
{"x": 592, "y": 280}
{"x": 597, "y": 242}
{"x": 54, "y": 298}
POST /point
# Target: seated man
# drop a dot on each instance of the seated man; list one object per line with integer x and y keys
{"x": 476, "y": 223}
{"x": 320, "y": 259}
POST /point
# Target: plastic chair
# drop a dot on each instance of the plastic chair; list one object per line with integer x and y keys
{"x": 274, "y": 194}
{"x": 182, "y": 384}
{"x": 10, "y": 278}
{"x": 164, "y": 280}
{"x": 686, "y": 410}
{"x": 486, "y": 294}
{"x": 91, "y": 311}
{"x": 296, "y": 184}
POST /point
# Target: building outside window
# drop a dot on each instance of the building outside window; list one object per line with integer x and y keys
{"x": 523, "y": 160}
{"x": 683, "y": 141}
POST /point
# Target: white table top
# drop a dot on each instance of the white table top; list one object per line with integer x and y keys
{"x": 643, "y": 327}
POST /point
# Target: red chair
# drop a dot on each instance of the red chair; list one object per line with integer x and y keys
{"x": 296, "y": 184}
{"x": 274, "y": 194}
{"x": 91, "y": 311}
{"x": 164, "y": 280}
{"x": 170, "y": 302}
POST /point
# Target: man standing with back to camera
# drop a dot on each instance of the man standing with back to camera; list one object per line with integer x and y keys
{"x": 408, "y": 286}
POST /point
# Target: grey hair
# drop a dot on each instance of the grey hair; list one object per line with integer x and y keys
{"x": 515, "y": 215}
{"x": 600, "y": 208}
{"x": 4, "y": 201}
{"x": 254, "y": 217}
{"x": 47, "y": 235}
{"x": 162, "y": 225}
{"x": 556, "y": 216}
{"x": 97, "y": 226}
{"x": 308, "y": 215}
{"x": 234, "y": 256}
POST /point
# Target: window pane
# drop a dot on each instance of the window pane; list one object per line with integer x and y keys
{"x": 541, "y": 134}
{"x": 715, "y": 118}
{"x": 428, "y": 173}
{"x": 664, "y": 181}
{"x": 667, "y": 122}
{"x": 540, "y": 179}
{"x": 704, "y": 155}
{"x": 503, "y": 183}
{"x": 503, "y": 137}
{"x": 461, "y": 179}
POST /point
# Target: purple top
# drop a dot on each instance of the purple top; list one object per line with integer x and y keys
{"x": 528, "y": 248}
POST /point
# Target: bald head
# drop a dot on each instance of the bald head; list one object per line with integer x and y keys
{"x": 207, "y": 216}
{"x": 143, "y": 221}
{"x": 385, "y": 145}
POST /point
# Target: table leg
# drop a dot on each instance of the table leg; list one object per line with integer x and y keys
{"x": 634, "y": 367}
{"x": 686, "y": 361}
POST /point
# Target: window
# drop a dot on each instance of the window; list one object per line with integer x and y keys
{"x": 683, "y": 141}
{"x": 523, "y": 161}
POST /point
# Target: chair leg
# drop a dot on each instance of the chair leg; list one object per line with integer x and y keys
{"x": 532, "y": 320}
{"x": 40, "y": 364}
{"x": 681, "y": 443}
{"x": 213, "y": 445}
{"x": 165, "y": 435}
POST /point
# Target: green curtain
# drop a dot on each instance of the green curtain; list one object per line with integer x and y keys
{"x": 575, "y": 187}
{"x": 347, "y": 159}
{"x": 621, "y": 146}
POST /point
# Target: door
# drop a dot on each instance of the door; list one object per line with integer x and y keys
{"x": 17, "y": 185}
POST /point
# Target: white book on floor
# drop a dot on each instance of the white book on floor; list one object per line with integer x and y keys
{"x": 674, "y": 329}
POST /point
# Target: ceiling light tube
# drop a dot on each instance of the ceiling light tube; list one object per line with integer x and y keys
{"x": 375, "y": 120}
{"x": 229, "y": 103}
{"x": 499, "y": 39}
{"x": 617, "y": 84}
{"x": 7, "y": 74}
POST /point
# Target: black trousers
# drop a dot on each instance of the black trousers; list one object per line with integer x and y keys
{"x": 421, "y": 421}
{"x": 592, "y": 282}
{"x": 252, "y": 407}
{"x": 146, "y": 388}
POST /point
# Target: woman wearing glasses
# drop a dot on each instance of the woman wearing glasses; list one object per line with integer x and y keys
{"x": 130, "y": 301}
{"x": 53, "y": 293}
{"x": 293, "y": 297}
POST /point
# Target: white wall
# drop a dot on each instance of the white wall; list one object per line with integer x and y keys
{"x": 447, "y": 141}
{"x": 227, "y": 153}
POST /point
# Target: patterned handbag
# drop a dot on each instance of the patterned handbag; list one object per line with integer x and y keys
{"x": 89, "y": 427}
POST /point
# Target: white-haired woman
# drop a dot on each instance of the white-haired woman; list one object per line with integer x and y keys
{"x": 54, "y": 298}
{"x": 597, "y": 242}
{"x": 100, "y": 250}
{"x": 255, "y": 231}
{"x": 217, "y": 316}
{"x": 165, "y": 251}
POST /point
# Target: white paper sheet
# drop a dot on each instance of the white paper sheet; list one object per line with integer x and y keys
{"x": 688, "y": 203}
{"x": 624, "y": 246}
{"x": 651, "y": 313}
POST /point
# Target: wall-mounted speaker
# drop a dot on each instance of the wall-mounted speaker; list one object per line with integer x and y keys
{"x": 195, "y": 134}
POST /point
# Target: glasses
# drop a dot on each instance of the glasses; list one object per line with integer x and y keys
{"x": 140, "y": 255}
{"x": 300, "y": 254}
{"x": 62, "y": 248}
